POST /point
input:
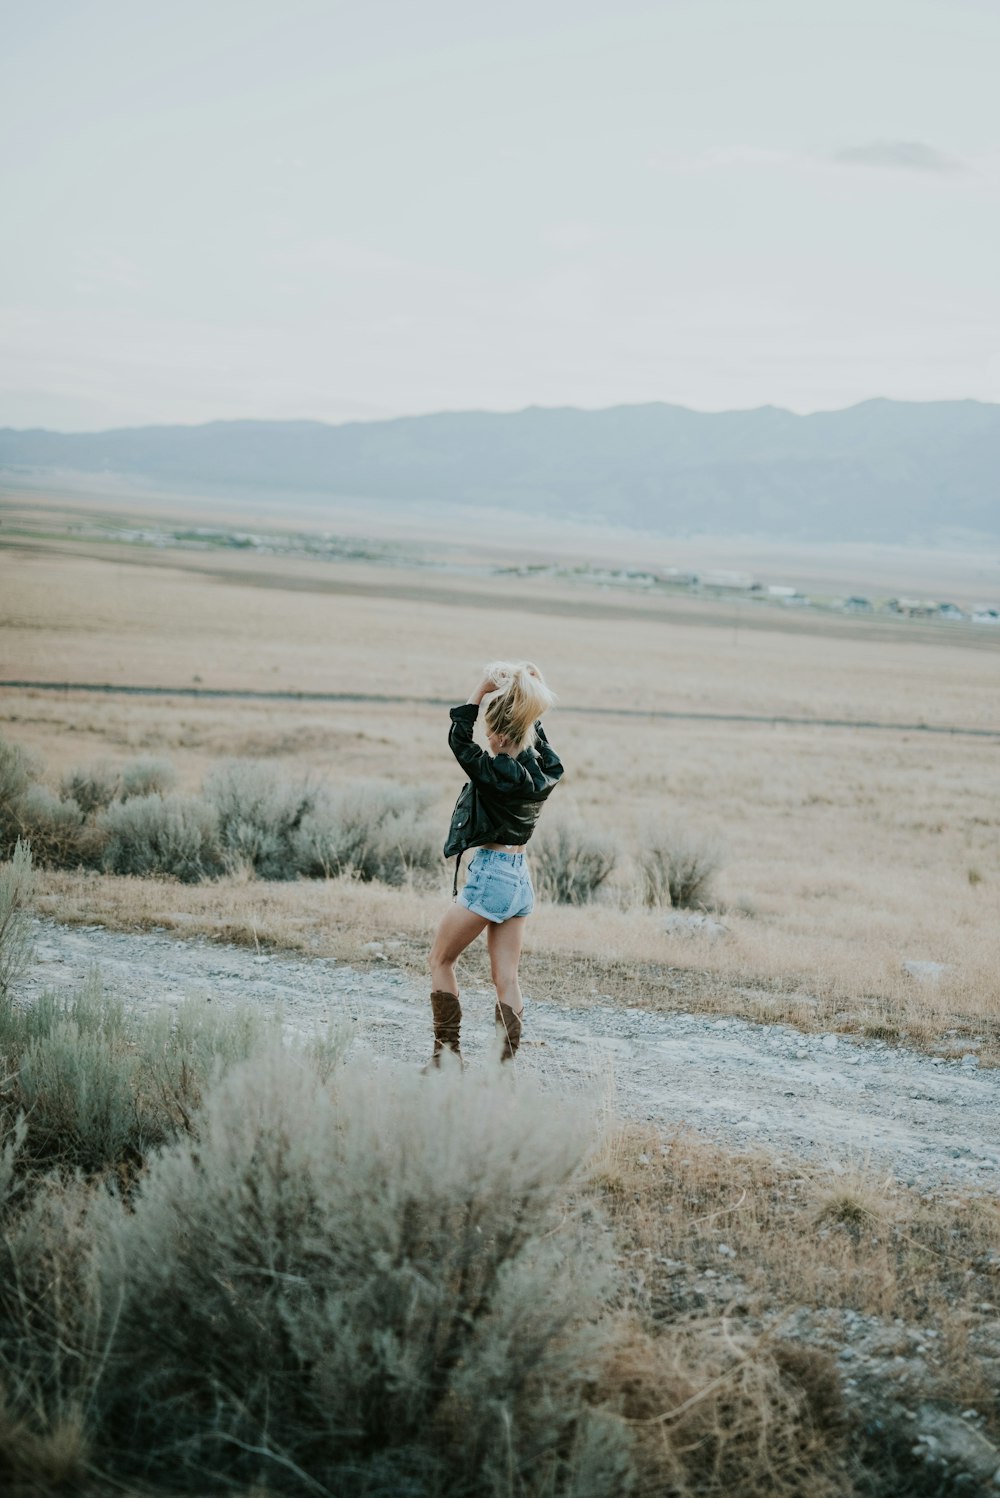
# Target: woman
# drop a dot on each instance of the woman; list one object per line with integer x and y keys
{"x": 496, "y": 814}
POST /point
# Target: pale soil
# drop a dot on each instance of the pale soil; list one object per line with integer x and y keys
{"x": 930, "y": 1124}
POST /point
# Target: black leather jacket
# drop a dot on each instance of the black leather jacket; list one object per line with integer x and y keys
{"x": 504, "y": 797}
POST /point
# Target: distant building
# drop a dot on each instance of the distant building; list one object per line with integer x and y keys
{"x": 987, "y": 615}
{"x": 950, "y": 611}
{"x": 858, "y": 605}
{"x": 913, "y": 608}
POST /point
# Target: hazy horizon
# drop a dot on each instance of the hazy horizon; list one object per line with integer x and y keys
{"x": 496, "y": 411}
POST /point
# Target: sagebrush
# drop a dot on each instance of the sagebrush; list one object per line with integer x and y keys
{"x": 571, "y": 860}
{"x": 143, "y": 777}
{"x": 677, "y": 866}
{"x": 97, "y": 1087}
{"x": 16, "y": 885}
{"x": 376, "y": 1288}
{"x": 92, "y": 787}
{"x": 385, "y": 1288}
{"x": 258, "y": 814}
{"x": 371, "y": 830}
{"x": 172, "y": 834}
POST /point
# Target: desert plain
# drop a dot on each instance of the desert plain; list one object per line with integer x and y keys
{"x": 841, "y": 770}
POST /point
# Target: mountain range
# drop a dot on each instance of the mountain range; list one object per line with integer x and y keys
{"x": 885, "y": 471}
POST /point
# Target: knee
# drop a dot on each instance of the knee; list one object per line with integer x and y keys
{"x": 439, "y": 954}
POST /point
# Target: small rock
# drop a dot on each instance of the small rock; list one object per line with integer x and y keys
{"x": 926, "y": 972}
{"x": 726, "y": 1251}
{"x": 829, "y": 1042}
{"x": 681, "y": 923}
{"x": 970, "y": 1060}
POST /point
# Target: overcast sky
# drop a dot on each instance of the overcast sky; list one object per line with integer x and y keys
{"x": 276, "y": 208}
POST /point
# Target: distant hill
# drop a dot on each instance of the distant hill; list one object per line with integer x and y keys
{"x": 880, "y": 471}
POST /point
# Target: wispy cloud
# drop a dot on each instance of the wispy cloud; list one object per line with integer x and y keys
{"x": 887, "y": 155}
{"x": 899, "y": 155}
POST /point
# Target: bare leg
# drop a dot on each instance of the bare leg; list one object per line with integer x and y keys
{"x": 504, "y": 941}
{"x": 458, "y": 930}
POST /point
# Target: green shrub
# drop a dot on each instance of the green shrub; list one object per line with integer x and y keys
{"x": 16, "y": 885}
{"x": 174, "y": 835}
{"x": 99, "y": 1087}
{"x": 82, "y": 1097}
{"x": 61, "y": 837}
{"x": 50, "y": 1359}
{"x": 385, "y": 1287}
{"x": 92, "y": 787}
{"x": 147, "y": 777}
{"x": 259, "y": 815}
{"x": 677, "y": 867}
{"x": 182, "y": 1052}
{"x": 12, "y": 1135}
{"x": 74, "y": 1074}
{"x": 18, "y": 771}
{"x": 371, "y": 830}
{"x": 570, "y": 861}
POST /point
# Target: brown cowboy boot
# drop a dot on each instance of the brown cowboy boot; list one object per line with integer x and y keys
{"x": 447, "y": 1013}
{"x": 508, "y": 1030}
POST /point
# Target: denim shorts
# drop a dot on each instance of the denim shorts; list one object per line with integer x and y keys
{"x": 498, "y": 886}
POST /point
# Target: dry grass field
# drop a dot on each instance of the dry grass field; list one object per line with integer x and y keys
{"x": 773, "y": 1328}
{"x": 844, "y": 851}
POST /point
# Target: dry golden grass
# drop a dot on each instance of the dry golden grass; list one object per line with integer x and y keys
{"x": 723, "y": 1239}
{"x": 847, "y": 851}
{"x": 713, "y": 1411}
{"x": 127, "y": 616}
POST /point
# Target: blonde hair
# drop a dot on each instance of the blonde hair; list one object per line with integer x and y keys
{"x": 522, "y": 696}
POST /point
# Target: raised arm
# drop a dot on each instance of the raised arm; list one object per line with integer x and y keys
{"x": 497, "y": 774}
{"x": 461, "y": 743}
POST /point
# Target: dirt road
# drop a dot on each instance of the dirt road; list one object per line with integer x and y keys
{"x": 931, "y": 1122}
{"x": 249, "y": 694}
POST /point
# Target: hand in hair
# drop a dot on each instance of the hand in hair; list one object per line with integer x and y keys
{"x": 485, "y": 687}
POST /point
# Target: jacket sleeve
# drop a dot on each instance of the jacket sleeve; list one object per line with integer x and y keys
{"x": 502, "y": 773}
{"x": 550, "y": 761}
